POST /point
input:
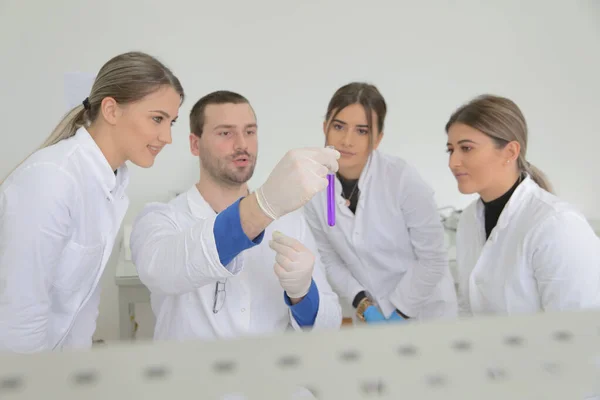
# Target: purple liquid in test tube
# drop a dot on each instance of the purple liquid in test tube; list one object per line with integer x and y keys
{"x": 331, "y": 197}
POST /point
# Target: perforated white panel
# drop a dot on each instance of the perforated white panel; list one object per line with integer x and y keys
{"x": 545, "y": 356}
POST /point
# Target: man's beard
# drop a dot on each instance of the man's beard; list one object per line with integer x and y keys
{"x": 225, "y": 171}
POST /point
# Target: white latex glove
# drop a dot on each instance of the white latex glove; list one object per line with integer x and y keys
{"x": 298, "y": 176}
{"x": 294, "y": 265}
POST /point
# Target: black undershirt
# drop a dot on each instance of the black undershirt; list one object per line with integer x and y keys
{"x": 494, "y": 208}
{"x": 349, "y": 188}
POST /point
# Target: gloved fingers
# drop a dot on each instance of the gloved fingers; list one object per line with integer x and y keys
{"x": 317, "y": 169}
{"x": 328, "y": 158}
{"x": 372, "y": 315}
{"x": 289, "y": 277}
{"x": 284, "y": 250}
{"x": 286, "y": 263}
{"x": 395, "y": 317}
{"x": 279, "y": 270}
{"x": 288, "y": 242}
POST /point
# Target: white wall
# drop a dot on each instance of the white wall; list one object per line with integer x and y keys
{"x": 288, "y": 58}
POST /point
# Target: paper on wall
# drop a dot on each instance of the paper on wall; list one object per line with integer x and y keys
{"x": 78, "y": 86}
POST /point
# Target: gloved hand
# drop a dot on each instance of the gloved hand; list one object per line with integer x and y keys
{"x": 395, "y": 317}
{"x": 373, "y": 315}
{"x": 298, "y": 176}
{"x": 294, "y": 265}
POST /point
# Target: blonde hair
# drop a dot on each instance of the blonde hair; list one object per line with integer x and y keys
{"x": 127, "y": 78}
{"x": 502, "y": 120}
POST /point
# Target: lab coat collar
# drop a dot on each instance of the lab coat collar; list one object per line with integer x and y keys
{"x": 198, "y": 204}
{"x": 113, "y": 185}
{"x": 514, "y": 203}
{"x": 365, "y": 176}
{"x": 369, "y": 170}
{"x": 199, "y": 207}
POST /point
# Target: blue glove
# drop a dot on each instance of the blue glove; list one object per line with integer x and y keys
{"x": 373, "y": 316}
{"x": 395, "y": 317}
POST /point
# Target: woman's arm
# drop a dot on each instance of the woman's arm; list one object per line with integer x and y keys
{"x": 566, "y": 263}
{"x": 35, "y": 224}
{"x": 426, "y": 234}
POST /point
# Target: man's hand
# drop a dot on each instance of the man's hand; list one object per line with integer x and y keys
{"x": 294, "y": 265}
{"x": 299, "y": 175}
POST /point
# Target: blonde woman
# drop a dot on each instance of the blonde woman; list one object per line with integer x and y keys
{"x": 61, "y": 208}
{"x": 520, "y": 249}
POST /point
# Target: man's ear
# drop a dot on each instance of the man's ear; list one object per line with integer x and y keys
{"x": 110, "y": 110}
{"x": 195, "y": 144}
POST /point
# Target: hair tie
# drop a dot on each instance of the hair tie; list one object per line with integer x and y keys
{"x": 86, "y": 103}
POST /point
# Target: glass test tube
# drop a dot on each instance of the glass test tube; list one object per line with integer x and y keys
{"x": 331, "y": 197}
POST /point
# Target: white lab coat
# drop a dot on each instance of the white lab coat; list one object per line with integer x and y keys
{"x": 393, "y": 247}
{"x": 542, "y": 255}
{"x": 60, "y": 212}
{"x": 173, "y": 248}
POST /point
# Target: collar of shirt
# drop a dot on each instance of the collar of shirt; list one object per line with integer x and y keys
{"x": 113, "y": 184}
{"x": 515, "y": 202}
{"x": 365, "y": 176}
{"x": 198, "y": 206}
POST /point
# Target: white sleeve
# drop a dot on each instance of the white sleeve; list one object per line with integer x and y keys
{"x": 462, "y": 279}
{"x": 338, "y": 275}
{"x": 35, "y": 224}
{"x": 426, "y": 234}
{"x": 565, "y": 255}
{"x": 329, "y": 314}
{"x": 171, "y": 260}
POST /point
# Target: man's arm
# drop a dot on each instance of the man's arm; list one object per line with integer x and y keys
{"x": 253, "y": 220}
{"x": 172, "y": 260}
{"x": 319, "y": 307}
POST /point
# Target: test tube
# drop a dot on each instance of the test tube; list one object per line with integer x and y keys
{"x": 331, "y": 196}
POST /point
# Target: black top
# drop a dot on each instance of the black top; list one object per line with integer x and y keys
{"x": 350, "y": 191}
{"x": 494, "y": 208}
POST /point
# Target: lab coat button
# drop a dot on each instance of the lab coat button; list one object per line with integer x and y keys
{"x": 243, "y": 309}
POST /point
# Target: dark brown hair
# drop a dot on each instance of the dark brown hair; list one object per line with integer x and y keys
{"x": 502, "y": 120}
{"x": 366, "y": 95}
{"x": 219, "y": 97}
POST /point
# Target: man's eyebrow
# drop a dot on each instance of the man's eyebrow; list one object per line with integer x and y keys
{"x": 227, "y": 126}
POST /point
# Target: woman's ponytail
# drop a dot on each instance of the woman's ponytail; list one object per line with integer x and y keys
{"x": 67, "y": 127}
{"x": 538, "y": 176}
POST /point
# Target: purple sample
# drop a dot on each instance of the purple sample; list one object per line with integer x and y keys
{"x": 331, "y": 200}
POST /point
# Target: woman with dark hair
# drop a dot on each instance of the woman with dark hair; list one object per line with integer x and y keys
{"x": 385, "y": 254}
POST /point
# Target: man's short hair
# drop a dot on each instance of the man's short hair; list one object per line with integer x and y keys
{"x": 219, "y": 97}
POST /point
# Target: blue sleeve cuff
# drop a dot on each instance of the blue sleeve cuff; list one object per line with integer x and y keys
{"x": 229, "y": 235}
{"x": 305, "y": 311}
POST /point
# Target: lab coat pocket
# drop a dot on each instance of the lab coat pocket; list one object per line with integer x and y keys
{"x": 78, "y": 266}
